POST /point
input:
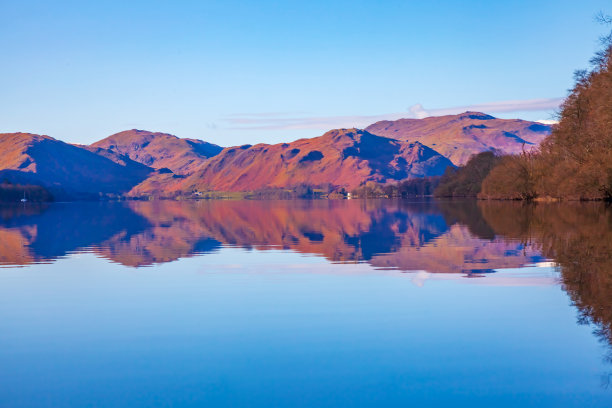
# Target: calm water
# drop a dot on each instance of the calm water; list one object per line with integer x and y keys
{"x": 306, "y": 303}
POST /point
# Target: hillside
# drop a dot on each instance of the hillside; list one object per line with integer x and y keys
{"x": 141, "y": 163}
{"x": 67, "y": 171}
{"x": 342, "y": 158}
{"x": 158, "y": 150}
{"x": 458, "y": 137}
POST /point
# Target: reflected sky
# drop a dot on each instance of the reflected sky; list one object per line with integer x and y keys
{"x": 302, "y": 303}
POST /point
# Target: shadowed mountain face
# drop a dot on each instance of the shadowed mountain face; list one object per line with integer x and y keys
{"x": 158, "y": 150}
{"x": 342, "y": 157}
{"x": 66, "y": 170}
{"x": 458, "y": 137}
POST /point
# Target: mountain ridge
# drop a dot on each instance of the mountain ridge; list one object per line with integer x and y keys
{"x": 67, "y": 170}
{"x": 159, "y": 150}
{"x": 460, "y": 136}
{"x": 344, "y": 158}
{"x": 139, "y": 163}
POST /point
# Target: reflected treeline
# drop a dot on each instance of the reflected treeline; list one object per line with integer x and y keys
{"x": 578, "y": 236}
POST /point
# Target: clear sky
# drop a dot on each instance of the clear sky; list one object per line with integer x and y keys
{"x": 234, "y": 72}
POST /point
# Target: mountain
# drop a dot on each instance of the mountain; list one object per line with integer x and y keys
{"x": 158, "y": 150}
{"x": 66, "y": 170}
{"x": 458, "y": 137}
{"x": 140, "y": 163}
{"x": 341, "y": 157}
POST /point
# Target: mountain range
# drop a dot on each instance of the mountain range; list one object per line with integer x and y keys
{"x": 140, "y": 163}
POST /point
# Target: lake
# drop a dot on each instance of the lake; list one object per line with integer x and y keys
{"x": 347, "y": 303}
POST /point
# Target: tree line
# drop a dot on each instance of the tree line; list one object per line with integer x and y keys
{"x": 574, "y": 162}
{"x": 13, "y": 193}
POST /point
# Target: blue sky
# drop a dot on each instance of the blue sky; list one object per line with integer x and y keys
{"x": 234, "y": 72}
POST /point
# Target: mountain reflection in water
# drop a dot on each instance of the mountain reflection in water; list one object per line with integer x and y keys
{"x": 438, "y": 237}
{"x": 464, "y": 238}
{"x": 449, "y": 237}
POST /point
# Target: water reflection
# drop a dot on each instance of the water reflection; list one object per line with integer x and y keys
{"x": 430, "y": 236}
{"x": 449, "y": 237}
{"x": 467, "y": 239}
{"x": 578, "y": 236}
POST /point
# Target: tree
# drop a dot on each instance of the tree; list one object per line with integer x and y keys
{"x": 466, "y": 181}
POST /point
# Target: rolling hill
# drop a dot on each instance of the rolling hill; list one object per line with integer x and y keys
{"x": 458, "y": 137}
{"x": 66, "y": 170}
{"x": 341, "y": 157}
{"x": 158, "y": 150}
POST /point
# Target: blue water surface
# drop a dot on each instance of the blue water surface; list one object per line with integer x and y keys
{"x": 282, "y": 327}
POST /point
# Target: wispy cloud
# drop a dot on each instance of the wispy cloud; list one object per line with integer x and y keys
{"x": 492, "y": 107}
{"x": 297, "y": 121}
{"x": 265, "y": 114}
